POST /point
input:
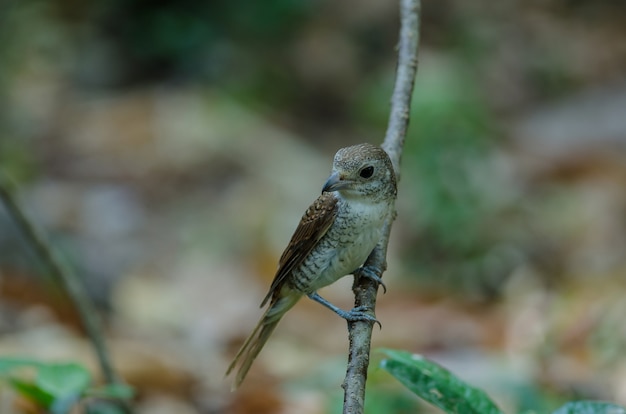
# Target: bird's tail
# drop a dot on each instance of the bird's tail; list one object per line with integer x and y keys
{"x": 259, "y": 336}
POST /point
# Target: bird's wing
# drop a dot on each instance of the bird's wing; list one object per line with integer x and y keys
{"x": 313, "y": 226}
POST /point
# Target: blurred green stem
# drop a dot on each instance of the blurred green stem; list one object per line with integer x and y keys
{"x": 62, "y": 275}
{"x": 360, "y": 332}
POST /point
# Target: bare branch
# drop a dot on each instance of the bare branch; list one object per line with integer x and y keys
{"x": 360, "y": 332}
{"x": 62, "y": 274}
{"x": 405, "y": 79}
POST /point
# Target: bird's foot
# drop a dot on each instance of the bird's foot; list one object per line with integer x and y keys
{"x": 360, "y": 313}
{"x": 372, "y": 272}
{"x": 356, "y": 314}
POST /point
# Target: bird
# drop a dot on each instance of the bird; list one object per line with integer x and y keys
{"x": 333, "y": 239}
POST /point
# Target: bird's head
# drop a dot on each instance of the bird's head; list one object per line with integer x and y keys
{"x": 362, "y": 170}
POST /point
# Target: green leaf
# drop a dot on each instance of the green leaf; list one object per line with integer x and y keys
{"x": 32, "y": 392}
{"x": 58, "y": 386}
{"x": 63, "y": 380}
{"x": 436, "y": 384}
{"x": 54, "y": 386}
{"x": 9, "y": 364}
{"x": 590, "y": 407}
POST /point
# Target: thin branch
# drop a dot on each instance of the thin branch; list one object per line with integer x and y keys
{"x": 360, "y": 332}
{"x": 405, "y": 79}
{"x": 63, "y": 275}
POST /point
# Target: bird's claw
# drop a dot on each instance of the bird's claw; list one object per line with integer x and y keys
{"x": 360, "y": 314}
{"x": 372, "y": 272}
{"x": 356, "y": 314}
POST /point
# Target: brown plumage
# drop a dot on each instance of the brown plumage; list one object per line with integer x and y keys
{"x": 333, "y": 238}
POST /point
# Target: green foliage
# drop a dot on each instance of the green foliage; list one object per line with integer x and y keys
{"x": 590, "y": 407}
{"x": 57, "y": 387}
{"x": 447, "y": 158}
{"x": 443, "y": 389}
{"x": 437, "y": 385}
{"x": 461, "y": 199}
{"x": 16, "y": 159}
{"x": 192, "y": 39}
{"x": 451, "y": 126}
{"x": 530, "y": 397}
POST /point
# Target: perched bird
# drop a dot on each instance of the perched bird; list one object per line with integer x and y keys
{"x": 334, "y": 238}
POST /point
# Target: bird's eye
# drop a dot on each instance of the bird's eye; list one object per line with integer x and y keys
{"x": 367, "y": 172}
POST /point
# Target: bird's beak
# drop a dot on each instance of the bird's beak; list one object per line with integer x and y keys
{"x": 335, "y": 182}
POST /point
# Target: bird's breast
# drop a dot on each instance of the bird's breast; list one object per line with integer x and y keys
{"x": 346, "y": 245}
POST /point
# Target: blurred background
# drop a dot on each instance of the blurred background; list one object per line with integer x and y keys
{"x": 169, "y": 149}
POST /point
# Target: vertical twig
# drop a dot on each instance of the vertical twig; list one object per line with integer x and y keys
{"x": 360, "y": 332}
{"x": 63, "y": 275}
